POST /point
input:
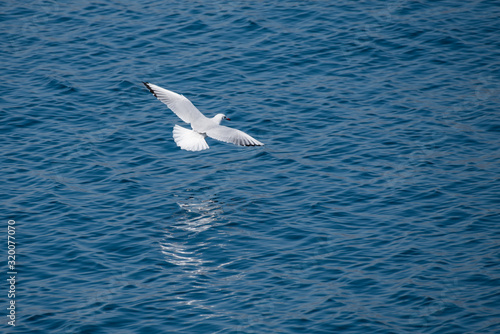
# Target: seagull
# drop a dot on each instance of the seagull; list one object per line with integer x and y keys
{"x": 194, "y": 140}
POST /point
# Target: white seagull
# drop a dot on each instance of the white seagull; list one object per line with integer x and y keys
{"x": 194, "y": 140}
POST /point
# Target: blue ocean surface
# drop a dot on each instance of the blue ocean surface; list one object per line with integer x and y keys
{"x": 374, "y": 206}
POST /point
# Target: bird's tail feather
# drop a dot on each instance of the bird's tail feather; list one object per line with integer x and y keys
{"x": 189, "y": 140}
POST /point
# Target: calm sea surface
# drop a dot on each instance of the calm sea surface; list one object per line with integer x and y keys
{"x": 374, "y": 206}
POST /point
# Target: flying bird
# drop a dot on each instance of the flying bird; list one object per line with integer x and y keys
{"x": 194, "y": 140}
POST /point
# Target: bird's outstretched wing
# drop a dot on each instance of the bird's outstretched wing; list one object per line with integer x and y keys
{"x": 230, "y": 135}
{"x": 179, "y": 104}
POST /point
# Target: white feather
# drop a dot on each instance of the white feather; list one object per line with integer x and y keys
{"x": 189, "y": 140}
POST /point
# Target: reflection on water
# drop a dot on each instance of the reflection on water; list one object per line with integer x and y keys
{"x": 178, "y": 246}
{"x": 177, "y": 253}
{"x": 188, "y": 245}
{"x": 207, "y": 211}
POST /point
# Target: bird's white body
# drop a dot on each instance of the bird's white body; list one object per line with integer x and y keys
{"x": 194, "y": 140}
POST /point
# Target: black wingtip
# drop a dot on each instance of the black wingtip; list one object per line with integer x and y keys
{"x": 149, "y": 88}
{"x": 253, "y": 145}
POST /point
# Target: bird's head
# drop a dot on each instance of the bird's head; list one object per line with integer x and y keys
{"x": 219, "y": 117}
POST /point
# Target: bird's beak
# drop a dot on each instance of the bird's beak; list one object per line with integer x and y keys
{"x": 228, "y": 119}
